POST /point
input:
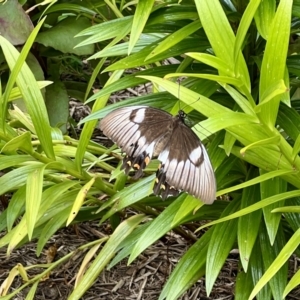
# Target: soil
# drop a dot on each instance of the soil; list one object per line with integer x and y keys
{"x": 142, "y": 280}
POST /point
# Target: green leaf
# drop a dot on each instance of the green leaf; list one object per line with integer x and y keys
{"x": 15, "y": 62}
{"x": 186, "y": 273}
{"x": 293, "y": 283}
{"x": 105, "y": 255}
{"x": 214, "y": 62}
{"x": 21, "y": 142}
{"x": 175, "y": 38}
{"x": 245, "y": 104}
{"x": 132, "y": 80}
{"x": 244, "y": 26}
{"x": 254, "y": 207}
{"x": 127, "y": 245}
{"x": 114, "y": 49}
{"x": 256, "y": 267}
{"x": 221, "y": 242}
{"x": 30, "y": 91}
{"x": 274, "y": 186}
{"x": 7, "y": 161}
{"x": 256, "y": 180}
{"x": 15, "y": 21}
{"x": 62, "y": 36}
{"x": 89, "y": 127}
{"x": 274, "y": 59}
{"x": 105, "y": 30}
{"x": 198, "y": 102}
{"x": 137, "y": 59}
{"x": 277, "y": 88}
{"x": 34, "y": 188}
{"x": 243, "y": 286}
{"x": 264, "y": 17}
{"x": 168, "y": 219}
{"x": 32, "y": 291}
{"x": 289, "y": 120}
{"x": 248, "y": 225}
{"x": 51, "y": 227}
{"x": 279, "y": 261}
{"x": 274, "y": 140}
{"x": 143, "y": 10}
{"x": 222, "y": 41}
{"x": 57, "y": 103}
{"x": 278, "y": 281}
{"x": 79, "y": 200}
{"x": 17, "y": 177}
{"x": 222, "y": 121}
{"x": 296, "y": 148}
{"x": 50, "y": 200}
{"x": 229, "y": 141}
{"x": 128, "y": 196}
{"x": 16, "y": 206}
{"x": 19, "y": 115}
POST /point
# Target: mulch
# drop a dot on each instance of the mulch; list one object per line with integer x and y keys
{"x": 142, "y": 280}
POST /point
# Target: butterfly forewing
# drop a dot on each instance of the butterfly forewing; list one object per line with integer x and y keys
{"x": 136, "y": 125}
{"x": 143, "y": 132}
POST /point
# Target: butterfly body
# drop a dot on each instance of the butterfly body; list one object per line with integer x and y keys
{"x": 143, "y": 132}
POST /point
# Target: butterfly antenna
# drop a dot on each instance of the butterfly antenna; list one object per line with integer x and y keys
{"x": 179, "y": 94}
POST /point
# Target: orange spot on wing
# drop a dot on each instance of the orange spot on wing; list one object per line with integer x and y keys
{"x": 147, "y": 160}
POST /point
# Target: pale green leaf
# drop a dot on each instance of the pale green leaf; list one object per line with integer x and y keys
{"x": 256, "y": 180}
{"x": 274, "y": 60}
{"x": 264, "y": 17}
{"x": 88, "y": 128}
{"x": 214, "y": 62}
{"x": 16, "y": 206}
{"x": 32, "y": 291}
{"x": 274, "y": 186}
{"x": 221, "y": 79}
{"x": 143, "y": 10}
{"x": 30, "y": 89}
{"x": 186, "y": 273}
{"x": 244, "y": 25}
{"x": 296, "y": 148}
{"x": 254, "y": 207}
{"x": 174, "y": 38}
{"x": 293, "y": 283}
{"x": 277, "y": 88}
{"x": 213, "y": 17}
{"x": 243, "y": 286}
{"x": 247, "y": 105}
{"x": 167, "y": 220}
{"x": 19, "y": 115}
{"x": 105, "y": 255}
{"x": 221, "y": 242}
{"x": 274, "y": 140}
{"x": 279, "y": 261}
{"x": 34, "y": 188}
{"x": 21, "y": 142}
{"x": 248, "y": 225}
{"x": 79, "y": 200}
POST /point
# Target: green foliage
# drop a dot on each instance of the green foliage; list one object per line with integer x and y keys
{"x": 239, "y": 83}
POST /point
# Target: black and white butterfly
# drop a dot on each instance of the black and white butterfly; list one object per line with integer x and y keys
{"x": 143, "y": 132}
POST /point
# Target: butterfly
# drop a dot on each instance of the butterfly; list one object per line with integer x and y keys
{"x": 143, "y": 132}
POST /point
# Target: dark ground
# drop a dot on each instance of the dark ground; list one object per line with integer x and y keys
{"x": 142, "y": 280}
